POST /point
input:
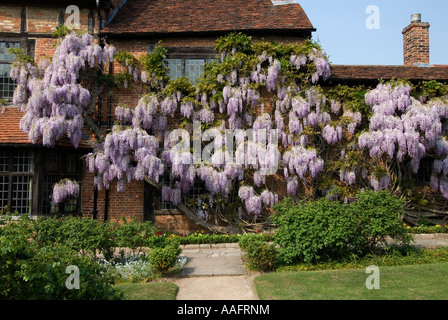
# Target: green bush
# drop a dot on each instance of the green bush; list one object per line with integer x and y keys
{"x": 312, "y": 230}
{"x": 158, "y": 241}
{"x": 85, "y": 235}
{"x": 163, "y": 258}
{"x": 134, "y": 234}
{"x": 32, "y": 270}
{"x": 325, "y": 229}
{"x": 379, "y": 215}
{"x": 260, "y": 255}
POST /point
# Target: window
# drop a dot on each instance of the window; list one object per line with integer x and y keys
{"x": 193, "y": 69}
{"x": 16, "y": 180}
{"x": 58, "y": 166}
{"x": 174, "y": 68}
{"x": 166, "y": 205}
{"x": 197, "y": 190}
{"x": 7, "y": 85}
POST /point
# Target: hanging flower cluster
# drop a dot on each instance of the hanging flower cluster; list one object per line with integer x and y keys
{"x": 127, "y": 154}
{"x": 63, "y": 189}
{"x": 400, "y": 127}
{"x": 53, "y": 98}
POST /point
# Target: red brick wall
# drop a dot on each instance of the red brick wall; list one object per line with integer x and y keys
{"x": 40, "y": 24}
{"x": 128, "y": 204}
{"x": 176, "y": 223}
{"x": 44, "y": 48}
{"x": 10, "y": 19}
{"x": 38, "y": 19}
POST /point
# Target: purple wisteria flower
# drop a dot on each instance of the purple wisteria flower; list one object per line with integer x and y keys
{"x": 63, "y": 189}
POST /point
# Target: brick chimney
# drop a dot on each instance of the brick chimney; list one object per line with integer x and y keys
{"x": 416, "y": 42}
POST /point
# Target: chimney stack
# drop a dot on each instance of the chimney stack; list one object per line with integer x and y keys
{"x": 416, "y": 42}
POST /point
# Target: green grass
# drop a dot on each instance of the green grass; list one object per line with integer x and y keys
{"x": 394, "y": 256}
{"x": 410, "y": 282}
{"x": 148, "y": 291}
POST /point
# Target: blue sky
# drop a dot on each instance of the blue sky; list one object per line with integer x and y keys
{"x": 342, "y": 32}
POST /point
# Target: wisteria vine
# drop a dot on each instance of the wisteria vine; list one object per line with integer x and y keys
{"x": 252, "y": 89}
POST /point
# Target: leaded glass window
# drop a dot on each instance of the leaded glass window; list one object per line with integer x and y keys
{"x": 7, "y": 85}
{"x": 194, "y": 69}
{"x": 174, "y": 68}
{"x": 57, "y": 166}
{"x": 16, "y": 180}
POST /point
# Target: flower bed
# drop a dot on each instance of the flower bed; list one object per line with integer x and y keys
{"x": 428, "y": 229}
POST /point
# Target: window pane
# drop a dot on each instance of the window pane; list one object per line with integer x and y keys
{"x": 52, "y": 162}
{"x": 4, "y": 185}
{"x": 47, "y": 191}
{"x": 71, "y": 205}
{"x": 174, "y": 68}
{"x": 165, "y": 181}
{"x": 4, "y": 161}
{"x": 7, "y": 85}
{"x": 4, "y": 48}
{"x": 21, "y": 194}
{"x": 72, "y": 161}
{"x": 194, "y": 69}
{"x": 22, "y": 162}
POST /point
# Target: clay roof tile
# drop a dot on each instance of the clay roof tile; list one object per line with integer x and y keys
{"x": 174, "y": 16}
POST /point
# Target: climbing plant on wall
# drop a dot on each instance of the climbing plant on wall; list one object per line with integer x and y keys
{"x": 259, "y": 126}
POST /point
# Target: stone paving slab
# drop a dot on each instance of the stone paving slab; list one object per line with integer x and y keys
{"x": 216, "y": 288}
{"x": 212, "y": 260}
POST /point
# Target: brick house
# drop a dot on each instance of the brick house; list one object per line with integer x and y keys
{"x": 188, "y": 30}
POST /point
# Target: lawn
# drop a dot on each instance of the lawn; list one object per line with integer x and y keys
{"x": 148, "y": 291}
{"x": 411, "y": 282}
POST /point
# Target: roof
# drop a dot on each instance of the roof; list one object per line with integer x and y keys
{"x": 186, "y": 16}
{"x": 10, "y": 132}
{"x": 375, "y": 72}
{"x": 59, "y": 3}
{"x": 9, "y": 127}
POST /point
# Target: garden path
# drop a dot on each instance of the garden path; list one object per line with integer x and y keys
{"x": 214, "y": 272}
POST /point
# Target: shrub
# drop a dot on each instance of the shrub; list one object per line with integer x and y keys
{"x": 312, "y": 230}
{"x": 428, "y": 229}
{"x": 326, "y": 229}
{"x": 260, "y": 255}
{"x": 379, "y": 215}
{"x": 31, "y": 271}
{"x": 132, "y": 270}
{"x": 82, "y": 234}
{"x": 158, "y": 241}
{"x": 134, "y": 234}
{"x": 163, "y": 258}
